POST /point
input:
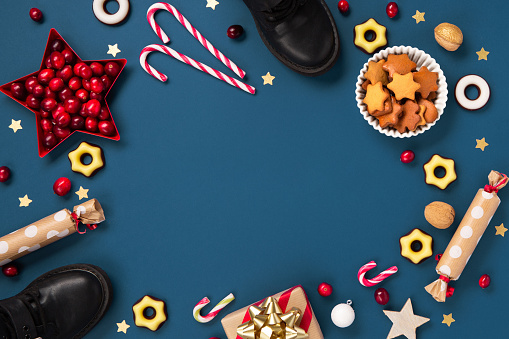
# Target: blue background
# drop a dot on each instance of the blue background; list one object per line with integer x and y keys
{"x": 211, "y": 190}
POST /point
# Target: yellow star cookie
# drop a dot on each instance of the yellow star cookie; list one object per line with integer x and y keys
{"x": 403, "y": 86}
{"x": 375, "y": 97}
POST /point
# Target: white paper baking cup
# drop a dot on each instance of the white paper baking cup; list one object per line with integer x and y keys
{"x": 421, "y": 59}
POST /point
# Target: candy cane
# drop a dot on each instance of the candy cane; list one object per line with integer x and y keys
{"x": 376, "y": 280}
{"x": 162, "y": 35}
{"x": 212, "y": 314}
{"x": 185, "y": 59}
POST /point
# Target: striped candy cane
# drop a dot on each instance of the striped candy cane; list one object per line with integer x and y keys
{"x": 376, "y": 280}
{"x": 185, "y": 59}
{"x": 212, "y": 314}
{"x": 162, "y": 35}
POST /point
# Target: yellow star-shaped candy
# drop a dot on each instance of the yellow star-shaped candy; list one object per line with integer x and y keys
{"x": 82, "y": 193}
{"x": 122, "y": 327}
{"x": 212, "y": 4}
{"x": 418, "y": 16}
{"x": 15, "y": 125}
{"x": 113, "y": 50}
{"x": 481, "y": 143}
{"x": 448, "y": 319}
{"x": 404, "y": 322}
{"x": 483, "y": 55}
{"x": 24, "y": 202}
{"x": 500, "y": 230}
{"x": 267, "y": 78}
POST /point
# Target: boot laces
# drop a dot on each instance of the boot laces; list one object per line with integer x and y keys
{"x": 283, "y": 10}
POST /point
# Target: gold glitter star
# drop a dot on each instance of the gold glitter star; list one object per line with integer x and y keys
{"x": 122, "y": 327}
{"x": 483, "y": 55}
{"x": 481, "y": 143}
{"x": 24, "y": 202}
{"x": 418, "y": 16}
{"x": 500, "y": 230}
{"x": 404, "y": 322}
{"x": 448, "y": 319}
{"x": 82, "y": 193}
{"x": 212, "y": 4}
{"x": 15, "y": 125}
{"x": 267, "y": 78}
{"x": 113, "y": 50}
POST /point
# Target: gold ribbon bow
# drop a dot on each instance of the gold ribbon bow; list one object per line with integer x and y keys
{"x": 269, "y": 322}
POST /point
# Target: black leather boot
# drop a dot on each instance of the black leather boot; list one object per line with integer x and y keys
{"x": 302, "y": 34}
{"x": 65, "y": 303}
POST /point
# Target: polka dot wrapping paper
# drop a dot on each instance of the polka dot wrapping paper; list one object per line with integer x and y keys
{"x": 48, "y": 230}
{"x": 467, "y": 236}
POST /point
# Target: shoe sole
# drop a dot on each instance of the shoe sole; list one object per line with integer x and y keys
{"x": 308, "y": 71}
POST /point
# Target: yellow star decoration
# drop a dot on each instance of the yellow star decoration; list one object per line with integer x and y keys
{"x": 481, "y": 143}
{"x": 82, "y": 193}
{"x": 24, "y": 202}
{"x": 500, "y": 230}
{"x": 212, "y": 4}
{"x": 418, "y": 16}
{"x": 448, "y": 319}
{"x": 267, "y": 78}
{"x": 15, "y": 125}
{"x": 483, "y": 55}
{"x": 122, "y": 327}
{"x": 404, "y": 322}
{"x": 113, "y": 50}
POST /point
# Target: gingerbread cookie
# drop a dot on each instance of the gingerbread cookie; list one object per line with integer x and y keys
{"x": 422, "y": 110}
{"x": 431, "y": 113}
{"x": 427, "y": 80}
{"x": 375, "y": 97}
{"x": 392, "y": 118}
{"x": 403, "y": 86}
{"x": 398, "y": 63}
{"x": 376, "y": 73}
{"x": 387, "y": 107}
{"x": 410, "y": 118}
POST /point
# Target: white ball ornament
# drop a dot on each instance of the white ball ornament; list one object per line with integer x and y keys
{"x": 343, "y": 315}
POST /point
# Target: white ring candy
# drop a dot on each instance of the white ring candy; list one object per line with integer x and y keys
{"x": 482, "y": 87}
{"x": 99, "y": 8}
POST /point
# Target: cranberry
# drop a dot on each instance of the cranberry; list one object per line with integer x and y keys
{"x": 392, "y": 9}
{"x": 97, "y": 69}
{"x": 61, "y": 132}
{"x": 48, "y": 93}
{"x": 381, "y": 296}
{"x": 49, "y": 140}
{"x": 75, "y": 83}
{"x": 85, "y": 72}
{"x": 63, "y": 120}
{"x": 56, "y": 84}
{"x": 93, "y": 108}
{"x": 62, "y": 186}
{"x": 234, "y": 31}
{"x": 96, "y": 85}
{"x": 57, "y": 60}
{"x": 38, "y": 91}
{"x": 91, "y": 124}
{"x": 65, "y": 94}
{"x": 57, "y": 45}
{"x": 104, "y": 114}
{"x": 48, "y": 104}
{"x": 86, "y": 84}
{"x": 112, "y": 69}
{"x": 18, "y": 91}
{"x": 77, "y": 122}
{"x": 72, "y": 105}
{"x": 65, "y": 73}
{"x": 44, "y": 114}
{"x": 46, "y": 125}
{"x": 484, "y": 281}
{"x": 57, "y": 111}
{"x": 30, "y": 83}
{"x": 82, "y": 95}
{"x": 83, "y": 111}
{"x": 407, "y": 157}
{"x": 5, "y": 173}
{"x": 324, "y": 289}
{"x": 35, "y": 14}
{"x": 106, "y": 81}
{"x": 47, "y": 62}
{"x": 10, "y": 270}
{"x": 68, "y": 56}
{"x": 33, "y": 102}
{"x": 343, "y": 6}
{"x": 45, "y": 76}
{"x": 77, "y": 67}
{"x": 96, "y": 96}
{"x": 106, "y": 127}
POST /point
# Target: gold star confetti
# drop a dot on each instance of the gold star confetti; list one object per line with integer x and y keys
{"x": 418, "y": 16}
{"x": 122, "y": 327}
{"x": 15, "y": 125}
{"x": 82, "y": 193}
{"x": 500, "y": 230}
{"x": 483, "y": 55}
{"x": 24, "y": 202}
{"x": 267, "y": 78}
{"x": 113, "y": 50}
{"x": 404, "y": 322}
{"x": 448, "y": 319}
{"x": 481, "y": 143}
{"x": 212, "y": 4}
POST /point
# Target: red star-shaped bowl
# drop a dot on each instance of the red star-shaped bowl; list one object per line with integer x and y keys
{"x": 6, "y": 89}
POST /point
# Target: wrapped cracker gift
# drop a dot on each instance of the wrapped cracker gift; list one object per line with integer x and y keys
{"x": 286, "y": 315}
{"x": 50, "y": 229}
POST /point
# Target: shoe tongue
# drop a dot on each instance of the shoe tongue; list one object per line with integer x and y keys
{"x": 21, "y": 318}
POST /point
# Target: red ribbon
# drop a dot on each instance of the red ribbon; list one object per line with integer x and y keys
{"x": 444, "y": 278}
{"x": 449, "y": 292}
{"x": 77, "y": 221}
{"x": 494, "y": 189}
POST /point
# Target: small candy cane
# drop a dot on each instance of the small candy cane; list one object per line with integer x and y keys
{"x": 212, "y": 314}
{"x": 160, "y": 33}
{"x": 376, "y": 280}
{"x": 185, "y": 59}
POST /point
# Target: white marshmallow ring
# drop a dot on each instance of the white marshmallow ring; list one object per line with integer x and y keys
{"x": 482, "y": 87}
{"x": 99, "y": 8}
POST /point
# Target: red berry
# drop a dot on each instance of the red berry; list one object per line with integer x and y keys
{"x": 104, "y": 114}
{"x": 62, "y": 186}
{"x": 86, "y": 72}
{"x": 392, "y": 9}
{"x": 57, "y": 45}
{"x": 72, "y": 105}
{"x": 484, "y": 281}
{"x": 56, "y": 84}
{"x": 68, "y": 56}
{"x": 38, "y": 91}
{"x": 44, "y": 114}
{"x": 381, "y": 296}
{"x": 324, "y": 289}
{"x": 65, "y": 94}
{"x": 47, "y": 62}
{"x": 106, "y": 128}
{"x": 63, "y": 120}
{"x": 77, "y": 122}
{"x": 57, "y": 60}
{"x": 91, "y": 124}
{"x": 61, "y": 132}
{"x": 46, "y": 125}
{"x": 96, "y": 85}
{"x": 30, "y": 83}
{"x": 96, "y": 96}
{"x": 48, "y": 104}
{"x": 106, "y": 81}
{"x": 97, "y": 69}
{"x": 49, "y": 94}
{"x": 10, "y": 270}
{"x": 86, "y": 84}
{"x": 112, "y": 69}
{"x": 33, "y": 102}
{"x": 57, "y": 111}
{"x": 82, "y": 94}
{"x": 5, "y": 173}
{"x": 234, "y": 31}
{"x": 45, "y": 76}
{"x": 77, "y": 67}
{"x": 65, "y": 73}
{"x": 49, "y": 140}
{"x": 18, "y": 91}
{"x": 407, "y": 157}
{"x": 343, "y": 6}
{"x": 75, "y": 83}
{"x": 35, "y": 14}
{"x": 93, "y": 108}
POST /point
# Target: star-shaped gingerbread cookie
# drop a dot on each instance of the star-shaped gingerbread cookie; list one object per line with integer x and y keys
{"x": 391, "y": 119}
{"x": 376, "y": 73}
{"x": 431, "y": 113}
{"x": 387, "y": 107}
{"x": 375, "y": 97}
{"x": 398, "y": 63}
{"x": 403, "y": 86}
{"x": 410, "y": 117}
{"x": 427, "y": 80}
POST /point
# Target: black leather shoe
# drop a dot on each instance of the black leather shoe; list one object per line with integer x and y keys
{"x": 62, "y": 304}
{"x": 302, "y": 34}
